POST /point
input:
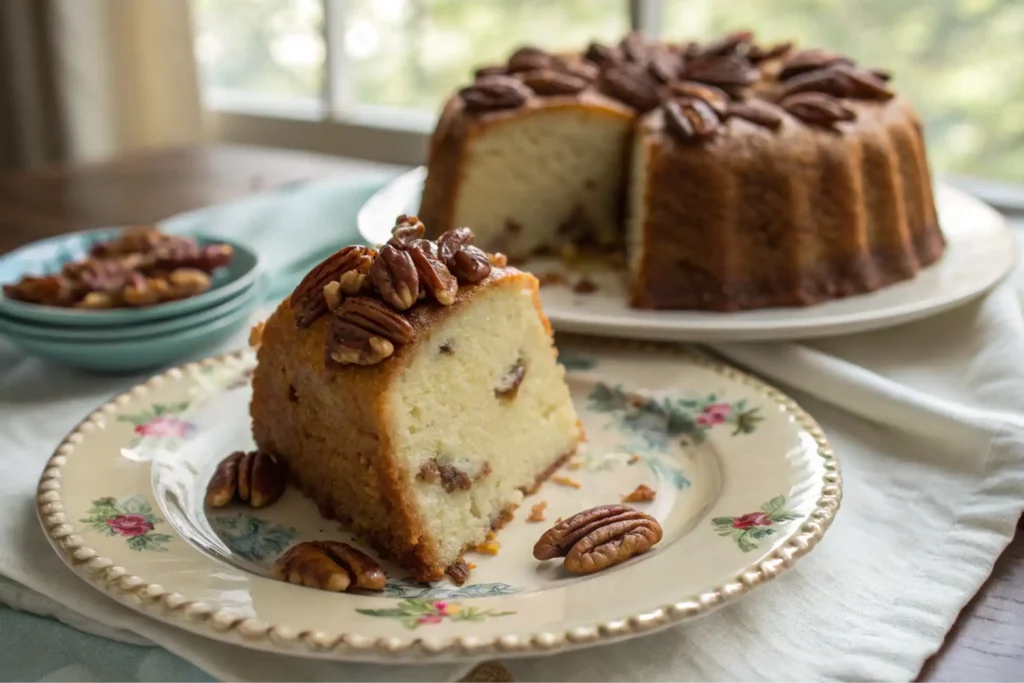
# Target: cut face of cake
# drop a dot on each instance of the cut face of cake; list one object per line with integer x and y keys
{"x": 498, "y": 164}
{"x": 420, "y": 428}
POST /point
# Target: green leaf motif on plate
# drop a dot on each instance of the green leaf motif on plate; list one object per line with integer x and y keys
{"x": 416, "y": 612}
{"x": 131, "y": 518}
{"x": 253, "y": 538}
{"x": 750, "y": 529}
{"x": 407, "y": 588}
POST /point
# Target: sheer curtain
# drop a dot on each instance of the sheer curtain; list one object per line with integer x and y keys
{"x": 91, "y": 79}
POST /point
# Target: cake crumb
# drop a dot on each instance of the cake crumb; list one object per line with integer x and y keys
{"x": 585, "y": 286}
{"x": 566, "y": 481}
{"x": 641, "y": 494}
{"x": 256, "y": 334}
{"x": 550, "y": 278}
{"x": 458, "y": 572}
{"x": 537, "y": 512}
{"x": 488, "y": 547}
{"x": 574, "y": 464}
{"x": 471, "y": 566}
{"x": 558, "y": 521}
{"x": 633, "y": 459}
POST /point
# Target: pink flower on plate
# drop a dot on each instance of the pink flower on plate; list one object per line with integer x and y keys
{"x": 751, "y": 519}
{"x": 166, "y": 427}
{"x": 130, "y": 525}
{"x": 714, "y": 414}
{"x": 441, "y": 607}
{"x": 430, "y": 619}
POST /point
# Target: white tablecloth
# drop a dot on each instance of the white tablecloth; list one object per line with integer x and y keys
{"x": 927, "y": 420}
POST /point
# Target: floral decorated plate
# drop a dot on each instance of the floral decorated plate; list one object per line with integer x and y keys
{"x": 745, "y": 484}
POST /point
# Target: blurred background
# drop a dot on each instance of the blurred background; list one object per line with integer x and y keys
{"x": 91, "y": 79}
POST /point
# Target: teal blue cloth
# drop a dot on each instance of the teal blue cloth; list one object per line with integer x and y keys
{"x": 320, "y": 218}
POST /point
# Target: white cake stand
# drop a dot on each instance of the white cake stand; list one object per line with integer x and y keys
{"x": 980, "y": 253}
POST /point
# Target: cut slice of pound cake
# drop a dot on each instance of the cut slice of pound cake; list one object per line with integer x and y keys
{"x": 415, "y": 393}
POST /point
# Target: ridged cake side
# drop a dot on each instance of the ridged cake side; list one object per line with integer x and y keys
{"x": 761, "y": 218}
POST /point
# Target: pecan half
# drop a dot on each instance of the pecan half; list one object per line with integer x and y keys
{"x": 756, "y": 111}
{"x": 716, "y": 98}
{"x": 738, "y": 41}
{"x": 757, "y": 54}
{"x": 330, "y": 566}
{"x": 364, "y": 331}
{"x": 881, "y": 74}
{"x": 508, "y": 385}
{"x": 602, "y": 55}
{"x": 634, "y": 48}
{"x": 580, "y": 69}
{"x": 811, "y": 60}
{"x": 599, "y": 538}
{"x": 529, "y": 58}
{"x": 867, "y": 85}
{"x": 631, "y": 84}
{"x": 492, "y": 93}
{"x": 459, "y": 572}
{"x": 493, "y": 70}
{"x": 548, "y": 82}
{"x": 257, "y": 478}
{"x": 407, "y": 230}
{"x": 818, "y": 109}
{"x": 729, "y": 71}
{"x": 453, "y": 240}
{"x": 691, "y": 120}
{"x": 664, "y": 66}
{"x": 394, "y": 276}
{"x": 307, "y": 299}
{"x": 612, "y": 544}
{"x": 831, "y": 81}
{"x": 435, "y": 276}
{"x": 470, "y": 265}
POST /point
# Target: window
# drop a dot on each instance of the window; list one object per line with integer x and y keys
{"x": 306, "y": 72}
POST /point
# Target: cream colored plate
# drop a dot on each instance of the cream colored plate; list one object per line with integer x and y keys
{"x": 981, "y": 251}
{"x": 746, "y": 484}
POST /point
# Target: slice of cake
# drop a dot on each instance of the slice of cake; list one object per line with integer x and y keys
{"x": 415, "y": 394}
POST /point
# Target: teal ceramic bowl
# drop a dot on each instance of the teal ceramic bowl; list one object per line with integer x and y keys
{"x": 13, "y": 327}
{"x": 125, "y": 355}
{"x": 49, "y": 255}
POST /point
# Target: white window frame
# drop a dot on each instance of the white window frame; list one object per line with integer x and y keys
{"x": 331, "y": 124}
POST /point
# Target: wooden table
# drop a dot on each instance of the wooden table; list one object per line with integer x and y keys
{"x": 985, "y": 644}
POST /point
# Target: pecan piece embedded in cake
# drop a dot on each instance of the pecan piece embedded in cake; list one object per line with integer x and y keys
{"x": 599, "y": 538}
{"x": 508, "y": 385}
{"x": 449, "y": 476}
{"x": 330, "y": 566}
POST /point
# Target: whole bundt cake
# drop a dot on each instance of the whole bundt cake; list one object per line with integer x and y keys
{"x": 734, "y": 175}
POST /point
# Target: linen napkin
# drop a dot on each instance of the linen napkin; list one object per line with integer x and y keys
{"x": 927, "y": 420}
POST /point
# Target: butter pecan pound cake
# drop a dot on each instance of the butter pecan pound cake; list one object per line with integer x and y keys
{"x": 734, "y": 175}
{"x": 414, "y": 393}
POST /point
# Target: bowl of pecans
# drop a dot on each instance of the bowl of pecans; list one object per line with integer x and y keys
{"x": 78, "y": 299}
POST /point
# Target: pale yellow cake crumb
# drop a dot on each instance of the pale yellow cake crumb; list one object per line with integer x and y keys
{"x": 256, "y": 335}
{"x": 633, "y": 459}
{"x": 566, "y": 481}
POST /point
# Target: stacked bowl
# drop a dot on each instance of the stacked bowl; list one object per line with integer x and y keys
{"x": 125, "y": 339}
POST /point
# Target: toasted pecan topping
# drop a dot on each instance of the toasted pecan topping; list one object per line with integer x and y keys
{"x": 691, "y": 120}
{"x": 492, "y": 93}
{"x": 756, "y": 111}
{"x": 818, "y": 109}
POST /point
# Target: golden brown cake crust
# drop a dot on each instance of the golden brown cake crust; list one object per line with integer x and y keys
{"x": 302, "y": 410}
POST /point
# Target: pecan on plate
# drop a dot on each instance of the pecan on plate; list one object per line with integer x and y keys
{"x": 811, "y": 60}
{"x": 329, "y": 566}
{"x": 492, "y": 93}
{"x": 308, "y": 300}
{"x": 758, "y": 112}
{"x": 691, "y": 120}
{"x": 364, "y": 331}
{"x": 394, "y": 276}
{"x": 818, "y": 109}
{"x": 548, "y": 82}
{"x": 632, "y": 84}
{"x": 257, "y": 478}
{"x": 599, "y": 538}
